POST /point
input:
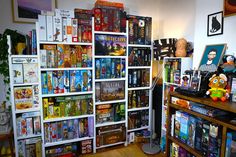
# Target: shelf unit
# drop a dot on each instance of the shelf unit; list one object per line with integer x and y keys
{"x": 139, "y": 69}
{"x": 179, "y": 64}
{"x": 224, "y": 124}
{"x": 109, "y": 77}
{"x": 68, "y": 119}
{"x": 24, "y": 98}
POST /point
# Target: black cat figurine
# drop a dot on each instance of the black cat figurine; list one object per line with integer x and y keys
{"x": 215, "y": 25}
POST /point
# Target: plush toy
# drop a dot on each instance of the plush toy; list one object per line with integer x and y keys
{"x": 218, "y": 84}
{"x": 228, "y": 65}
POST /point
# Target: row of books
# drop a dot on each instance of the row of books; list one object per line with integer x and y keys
{"x": 109, "y": 19}
{"x": 138, "y": 98}
{"x": 65, "y": 56}
{"x": 28, "y": 124}
{"x": 66, "y": 25}
{"x": 28, "y": 46}
{"x": 176, "y": 150}
{"x": 140, "y": 29}
{"x": 107, "y": 68}
{"x": 62, "y": 150}
{"x": 197, "y": 133}
{"x": 138, "y": 78}
{"x": 54, "y": 82}
{"x": 199, "y": 108}
{"x": 139, "y": 56}
{"x": 70, "y": 129}
{"x": 138, "y": 119}
{"x": 110, "y": 113}
{"x": 72, "y": 149}
{"x": 25, "y": 70}
{"x": 110, "y": 134}
{"x": 230, "y": 144}
{"x": 26, "y": 97}
{"x": 110, "y": 90}
{"x": 172, "y": 71}
{"x": 56, "y": 107}
{"x": 30, "y": 147}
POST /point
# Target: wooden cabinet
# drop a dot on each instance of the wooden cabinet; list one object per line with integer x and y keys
{"x": 224, "y": 124}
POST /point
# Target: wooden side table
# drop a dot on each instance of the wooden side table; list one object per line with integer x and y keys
{"x": 10, "y": 138}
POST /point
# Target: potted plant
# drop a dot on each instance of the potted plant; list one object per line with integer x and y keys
{"x": 4, "y": 64}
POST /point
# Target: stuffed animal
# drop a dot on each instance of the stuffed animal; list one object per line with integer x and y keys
{"x": 218, "y": 84}
{"x": 229, "y": 63}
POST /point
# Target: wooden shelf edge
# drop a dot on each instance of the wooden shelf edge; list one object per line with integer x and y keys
{"x": 211, "y": 119}
{"x": 185, "y": 146}
{"x": 226, "y": 106}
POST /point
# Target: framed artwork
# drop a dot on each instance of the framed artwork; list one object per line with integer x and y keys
{"x": 215, "y": 24}
{"x": 26, "y": 11}
{"x": 211, "y": 57}
{"x": 229, "y": 7}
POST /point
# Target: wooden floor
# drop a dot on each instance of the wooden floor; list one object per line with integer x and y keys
{"x": 133, "y": 150}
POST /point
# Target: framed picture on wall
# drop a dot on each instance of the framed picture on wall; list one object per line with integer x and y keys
{"x": 229, "y": 7}
{"x": 25, "y": 11}
{"x": 215, "y": 24}
{"x": 211, "y": 57}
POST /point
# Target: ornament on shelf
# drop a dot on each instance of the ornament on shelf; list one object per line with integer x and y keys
{"x": 181, "y": 48}
{"x": 217, "y": 85}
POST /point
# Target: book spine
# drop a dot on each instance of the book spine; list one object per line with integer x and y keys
{"x": 49, "y": 28}
{"x": 42, "y": 27}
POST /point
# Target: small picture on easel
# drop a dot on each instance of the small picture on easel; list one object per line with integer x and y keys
{"x": 185, "y": 80}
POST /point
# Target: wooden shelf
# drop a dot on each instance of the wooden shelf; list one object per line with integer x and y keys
{"x": 226, "y": 106}
{"x": 211, "y": 119}
{"x": 185, "y": 146}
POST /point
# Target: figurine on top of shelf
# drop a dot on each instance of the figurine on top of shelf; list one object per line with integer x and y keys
{"x": 217, "y": 85}
{"x": 229, "y": 63}
{"x": 181, "y": 48}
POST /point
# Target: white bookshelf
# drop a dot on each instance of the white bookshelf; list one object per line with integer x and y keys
{"x": 101, "y": 80}
{"x": 65, "y": 94}
{"x": 67, "y": 141}
{"x": 140, "y": 88}
{"x": 65, "y": 43}
{"x": 185, "y": 63}
{"x": 17, "y": 130}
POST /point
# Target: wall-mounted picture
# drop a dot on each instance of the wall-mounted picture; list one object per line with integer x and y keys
{"x": 215, "y": 24}
{"x": 26, "y": 11}
{"x": 229, "y": 7}
{"x": 211, "y": 57}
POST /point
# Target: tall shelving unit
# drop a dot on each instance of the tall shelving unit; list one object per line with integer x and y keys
{"x": 106, "y": 74}
{"x": 139, "y": 83}
{"x": 78, "y": 121}
{"x": 24, "y": 100}
{"x": 177, "y": 65}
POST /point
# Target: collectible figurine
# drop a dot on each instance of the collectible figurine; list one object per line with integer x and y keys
{"x": 181, "y": 48}
{"x": 218, "y": 84}
{"x": 229, "y": 63}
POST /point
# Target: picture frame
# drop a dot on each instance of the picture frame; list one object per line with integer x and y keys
{"x": 215, "y": 24}
{"x": 27, "y": 12}
{"x": 211, "y": 57}
{"x": 229, "y": 8}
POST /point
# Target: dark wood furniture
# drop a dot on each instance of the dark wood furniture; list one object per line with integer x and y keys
{"x": 10, "y": 139}
{"x": 225, "y": 106}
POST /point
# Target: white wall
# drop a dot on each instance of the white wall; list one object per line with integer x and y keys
{"x": 171, "y": 18}
{"x": 203, "y": 9}
{"x": 176, "y": 19}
